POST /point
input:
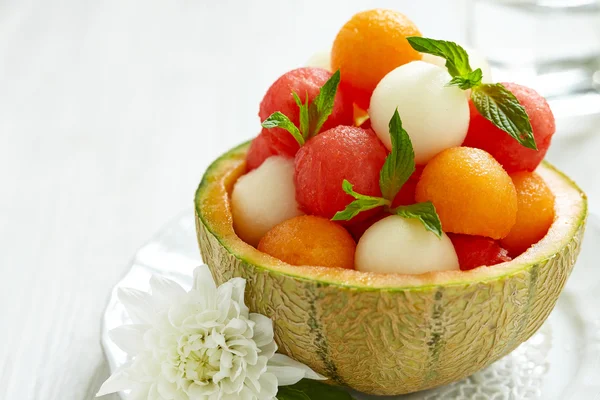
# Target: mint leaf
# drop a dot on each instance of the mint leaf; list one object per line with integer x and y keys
{"x": 279, "y": 120}
{"x": 362, "y": 203}
{"x": 308, "y": 389}
{"x": 457, "y": 59}
{"x": 498, "y": 105}
{"x": 304, "y": 118}
{"x": 424, "y": 212}
{"x": 400, "y": 163}
{"x": 322, "y": 105}
{"x": 469, "y": 81}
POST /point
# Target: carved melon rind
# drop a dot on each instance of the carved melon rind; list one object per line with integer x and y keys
{"x": 395, "y": 341}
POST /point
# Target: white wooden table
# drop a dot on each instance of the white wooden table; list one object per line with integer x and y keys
{"x": 109, "y": 113}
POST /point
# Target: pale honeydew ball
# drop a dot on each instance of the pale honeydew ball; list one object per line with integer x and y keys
{"x": 435, "y": 60}
{"x": 321, "y": 59}
{"x": 403, "y": 246}
{"x": 435, "y": 115}
{"x": 263, "y": 198}
{"x": 476, "y": 60}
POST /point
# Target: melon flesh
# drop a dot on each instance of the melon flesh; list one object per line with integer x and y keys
{"x": 403, "y": 246}
{"x": 263, "y": 198}
{"x": 435, "y": 115}
{"x": 320, "y": 59}
{"x": 390, "y": 334}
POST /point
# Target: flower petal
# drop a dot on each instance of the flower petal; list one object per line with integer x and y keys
{"x": 204, "y": 282}
{"x": 139, "y": 393}
{"x": 268, "y": 386}
{"x": 234, "y": 327}
{"x": 229, "y": 386}
{"x": 238, "y": 368}
{"x": 200, "y": 392}
{"x": 153, "y": 393}
{"x": 233, "y": 396}
{"x": 138, "y": 304}
{"x": 289, "y": 371}
{"x": 166, "y": 389}
{"x": 228, "y": 309}
{"x": 257, "y": 369}
{"x": 129, "y": 338}
{"x": 237, "y": 295}
{"x": 248, "y": 394}
{"x": 165, "y": 291}
{"x": 169, "y": 371}
{"x": 268, "y": 350}
{"x": 226, "y": 361}
{"x": 118, "y": 381}
{"x": 263, "y": 329}
{"x": 286, "y": 375}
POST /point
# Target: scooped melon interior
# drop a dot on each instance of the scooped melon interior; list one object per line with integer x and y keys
{"x": 213, "y": 208}
{"x": 393, "y": 334}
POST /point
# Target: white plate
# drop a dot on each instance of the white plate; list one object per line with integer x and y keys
{"x": 560, "y": 362}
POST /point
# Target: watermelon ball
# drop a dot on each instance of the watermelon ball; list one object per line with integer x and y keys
{"x": 435, "y": 115}
{"x": 310, "y": 240}
{"x": 403, "y": 246}
{"x": 264, "y": 146}
{"x": 303, "y": 81}
{"x": 322, "y": 164}
{"x": 514, "y": 157}
{"x": 475, "y": 251}
{"x": 264, "y": 198}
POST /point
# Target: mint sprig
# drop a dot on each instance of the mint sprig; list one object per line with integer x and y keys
{"x": 470, "y": 80}
{"x": 322, "y": 106}
{"x": 312, "y": 116}
{"x": 312, "y": 390}
{"x": 400, "y": 163}
{"x": 304, "y": 116}
{"x": 361, "y": 203}
{"x": 457, "y": 59}
{"x": 493, "y": 101}
{"x": 424, "y": 212}
{"x": 398, "y": 167}
{"x": 280, "y": 120}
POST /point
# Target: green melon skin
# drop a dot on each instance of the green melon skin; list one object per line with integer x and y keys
{"x": 393, "y": 334}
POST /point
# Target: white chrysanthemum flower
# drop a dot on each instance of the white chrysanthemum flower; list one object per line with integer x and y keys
{"x": 200, "y": 345}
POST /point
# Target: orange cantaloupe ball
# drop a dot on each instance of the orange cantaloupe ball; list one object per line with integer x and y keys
{"x": 471, "y": 192}
{"x": 535, "y": 212}
{"x": 368, "y": 46}
{"x": 310, "y": 240}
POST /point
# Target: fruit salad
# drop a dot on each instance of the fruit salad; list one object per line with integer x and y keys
{"x": 395, "y": 153}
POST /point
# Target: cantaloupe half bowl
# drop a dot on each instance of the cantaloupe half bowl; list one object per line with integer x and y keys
{"x": 393, "y": 334}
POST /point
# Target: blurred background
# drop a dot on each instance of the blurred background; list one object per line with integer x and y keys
{"x": 110, "y": 111}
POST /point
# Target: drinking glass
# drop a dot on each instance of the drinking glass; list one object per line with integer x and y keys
{"x": 550, "y": 45}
